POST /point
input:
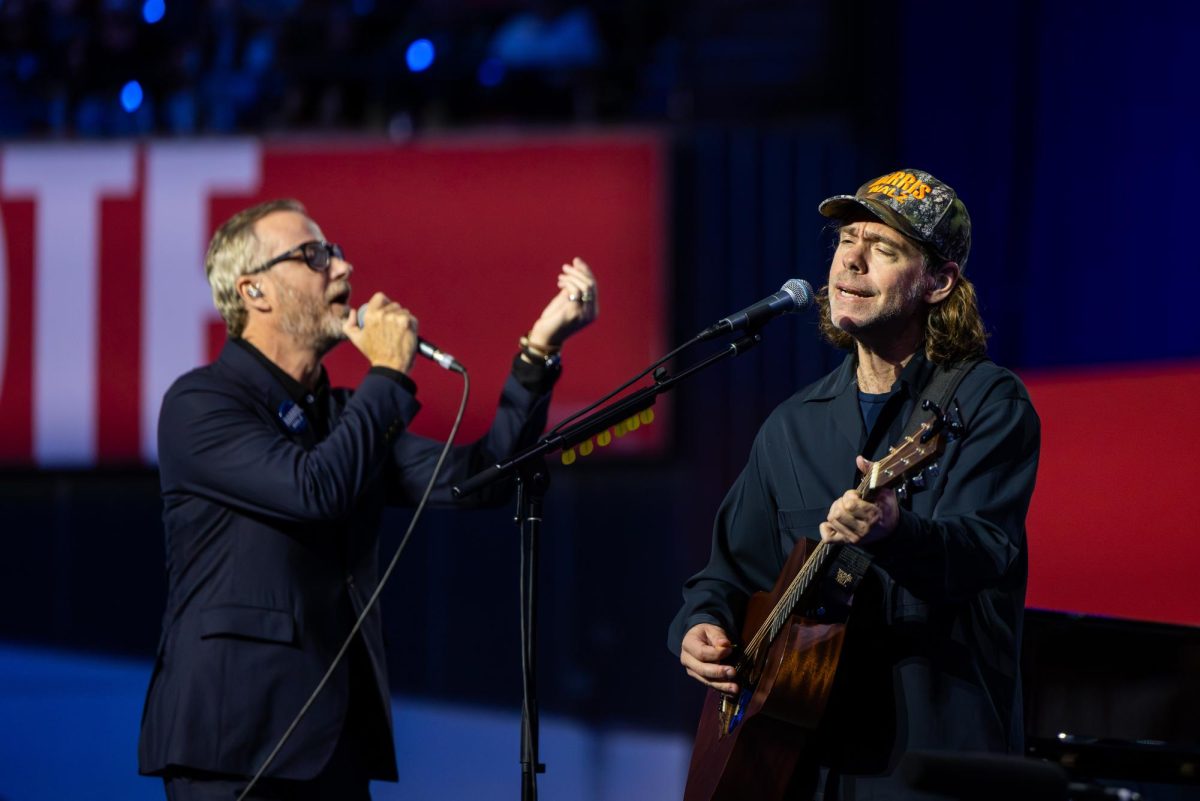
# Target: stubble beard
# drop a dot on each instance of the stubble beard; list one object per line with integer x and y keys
{"x": 310, "y": 321}
{"x": 886, "y": 318}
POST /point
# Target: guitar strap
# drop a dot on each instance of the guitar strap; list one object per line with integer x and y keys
{"x": 940, "y": 390}
{"x": 840, "y": 580}
{"x": 847, "y": 568}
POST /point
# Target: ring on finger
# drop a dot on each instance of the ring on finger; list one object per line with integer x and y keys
{"x": 574, "y": 298}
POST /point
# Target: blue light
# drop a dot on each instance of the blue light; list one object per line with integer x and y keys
{"x": 132, "y": 96}
{"x": 153, "y": 10}
{"x": 420, "y": 55}
{"x": 491, "y": 72}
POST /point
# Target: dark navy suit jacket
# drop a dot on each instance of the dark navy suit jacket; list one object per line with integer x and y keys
{"x": 271, "y": 543}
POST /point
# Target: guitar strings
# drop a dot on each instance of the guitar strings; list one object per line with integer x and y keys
{"x": 791, "y": 596}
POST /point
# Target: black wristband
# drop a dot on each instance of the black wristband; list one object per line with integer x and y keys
{"x": 537, "y": 377}
{"x": 397, "y": 376}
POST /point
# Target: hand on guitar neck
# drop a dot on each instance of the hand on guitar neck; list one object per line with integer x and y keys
{"x": 858, "y": 521}
{"x": 705, "y": 647}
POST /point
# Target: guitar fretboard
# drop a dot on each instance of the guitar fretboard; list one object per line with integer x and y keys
{"x": 909, "y": 454}
{"x": 787, "y": 603}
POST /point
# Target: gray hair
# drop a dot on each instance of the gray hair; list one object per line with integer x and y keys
{"x": 232, "y": 252}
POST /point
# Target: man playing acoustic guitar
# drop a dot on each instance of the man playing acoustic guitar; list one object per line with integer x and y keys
{"x": 930, "y": 655}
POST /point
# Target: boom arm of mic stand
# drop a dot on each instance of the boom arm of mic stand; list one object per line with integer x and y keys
{"x": 599, "y": 420}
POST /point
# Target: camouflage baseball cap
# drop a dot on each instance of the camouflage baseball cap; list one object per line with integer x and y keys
{"x": 914, "y": 203}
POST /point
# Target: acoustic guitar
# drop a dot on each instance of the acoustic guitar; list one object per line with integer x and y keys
{"x": 747, "y": 747}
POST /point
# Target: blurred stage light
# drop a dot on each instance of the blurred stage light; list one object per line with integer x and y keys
{"x": 491, "y": 72}
{"x": 420, "y": 55}
{"x": 153, "y": 10}
{"x": 132, "y": 96}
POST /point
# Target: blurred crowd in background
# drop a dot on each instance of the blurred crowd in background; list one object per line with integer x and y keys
{"x": 102, "y": 68}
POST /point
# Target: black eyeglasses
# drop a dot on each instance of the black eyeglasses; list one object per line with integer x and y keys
{"x": 317, "y": 255}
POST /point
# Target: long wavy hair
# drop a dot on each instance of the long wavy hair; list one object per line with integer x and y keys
{"x": 954, "y": 329}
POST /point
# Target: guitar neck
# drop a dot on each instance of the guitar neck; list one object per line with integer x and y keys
{"x": 865, "y": 490}
{"x": 909, "y": 455}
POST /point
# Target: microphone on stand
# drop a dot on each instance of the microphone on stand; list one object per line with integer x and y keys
{"x": 794, "y": 296}
{"x": 424, "y": 347}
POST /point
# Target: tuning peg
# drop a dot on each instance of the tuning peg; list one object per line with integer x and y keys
{"x": 933, "y": 470}
{"x": 954, "y": 423}
{"x": 936, "y": 423}
{"x": 918, "y": 481}
{"x": 902, "y": 491}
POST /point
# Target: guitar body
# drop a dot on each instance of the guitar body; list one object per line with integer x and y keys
{"x": 747, "y": 748}
{"x": 751, "y": 752}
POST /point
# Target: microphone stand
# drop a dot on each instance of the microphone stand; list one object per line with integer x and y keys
{"x": 533, "y": 480}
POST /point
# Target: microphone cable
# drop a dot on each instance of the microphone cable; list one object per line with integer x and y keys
{"x": 383, "y": 580}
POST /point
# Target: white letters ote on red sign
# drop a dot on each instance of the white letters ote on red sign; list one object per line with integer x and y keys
{"x": 176, "y": 301}
{"x": 66, "y": 184}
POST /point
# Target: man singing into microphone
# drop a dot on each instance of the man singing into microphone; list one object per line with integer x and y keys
{"x": 930, "y": 659}
{"x": 273, "y": 485}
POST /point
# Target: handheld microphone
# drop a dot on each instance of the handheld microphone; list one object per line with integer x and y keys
{"x": 424, "y": 347}
{"x": 794, "y": 296}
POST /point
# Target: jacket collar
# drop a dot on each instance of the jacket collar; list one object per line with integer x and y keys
{"x": 267, "y": 384}
{"x": 913, "y": 378}
{"x": 841, "y": 388}
{"x": 297, "y": 391}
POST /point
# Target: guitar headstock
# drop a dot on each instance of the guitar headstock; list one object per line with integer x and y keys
{"x": 908, "y": 460}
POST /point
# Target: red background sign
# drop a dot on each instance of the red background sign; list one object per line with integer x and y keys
{"x": 1112, "y": 525}
{"x": 471, "y": 237}
{"x": 470, "y": 234}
